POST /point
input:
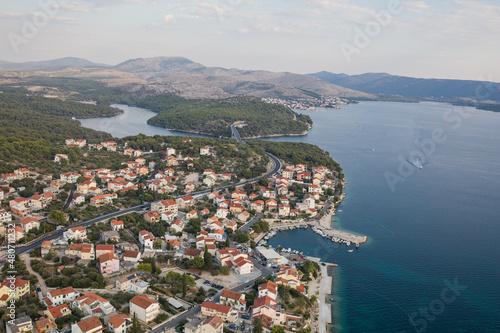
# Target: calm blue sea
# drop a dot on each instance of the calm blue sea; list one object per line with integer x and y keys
{"x": 437, "y": 224}
{"x": 432, "y": 263}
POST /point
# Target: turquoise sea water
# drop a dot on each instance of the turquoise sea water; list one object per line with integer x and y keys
{"x": 436, "y": 227}
{"x": 441, "y": 223}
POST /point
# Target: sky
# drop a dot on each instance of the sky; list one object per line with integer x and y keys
{"x": 449, "y": 39}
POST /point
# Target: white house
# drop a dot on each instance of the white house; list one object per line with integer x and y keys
{"x": 76, "y": 233}
{"x": 144, "y": 308}
{"x": 119, "y": 323}
{"x": 64, "y": 295}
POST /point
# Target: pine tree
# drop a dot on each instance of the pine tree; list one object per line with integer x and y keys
{"x": 136, "y": 326}
{"x": 207, "y": 257}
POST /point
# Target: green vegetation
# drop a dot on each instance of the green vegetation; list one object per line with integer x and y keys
{"x": 77, "y": 276}
{"x": 214, "y": 117}
{"x": 32, "y": 128}
{"x": 299, "y": 153}
{"x": 261, "y": 226}
{"x": 294, "y": 301}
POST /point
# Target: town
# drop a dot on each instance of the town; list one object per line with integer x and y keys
{"x": 156, "y": 242}
{"x": 309, "y": 104}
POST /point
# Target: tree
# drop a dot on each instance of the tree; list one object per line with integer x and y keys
{"x": 136, "y": 326}
{"x": 207, "y": 258}
{"x": 278, "y": 329}
{"x": 257, "y": 326}
{"x": 184, "y": 285}
{"x": 145, "y": 268}
{"x": 58, "y": 217}
{"x": 198, "y": 262}
{"x": 224, "y": 270}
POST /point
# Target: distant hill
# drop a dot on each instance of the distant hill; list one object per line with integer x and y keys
{"x": 235, "y": 82}
{"x": 438, "y": 89}
{"x": 48, "y": 64}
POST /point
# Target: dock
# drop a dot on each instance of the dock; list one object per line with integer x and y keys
{"x": 345, "y": 236}
{"x": 325, "y": 308}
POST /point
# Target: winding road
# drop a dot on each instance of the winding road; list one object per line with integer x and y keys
{"x": 138, "y": 208}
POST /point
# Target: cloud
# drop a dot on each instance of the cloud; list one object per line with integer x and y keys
{"x": 29, "y": 16}
{"x": 79, "y": 7}
{"x": 416, "y": 6}
{"x": 169, "y": 17}
{"x": 467, "y": 22}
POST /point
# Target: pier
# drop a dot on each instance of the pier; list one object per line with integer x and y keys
{"x": 344, "y": 236}
{"x": 325, "y": 308}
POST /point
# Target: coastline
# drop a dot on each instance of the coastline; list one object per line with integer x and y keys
{"x": 252, "y": 137}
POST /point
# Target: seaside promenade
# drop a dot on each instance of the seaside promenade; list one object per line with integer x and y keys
{"x": 325, "y": 310}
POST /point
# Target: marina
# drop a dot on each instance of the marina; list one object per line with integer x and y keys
{"x": 336, "y": 236}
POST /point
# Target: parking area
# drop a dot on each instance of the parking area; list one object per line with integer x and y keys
{"x": 243, "y": 324}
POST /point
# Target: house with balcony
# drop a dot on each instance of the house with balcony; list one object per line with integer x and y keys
{"x": 144, "y": 308}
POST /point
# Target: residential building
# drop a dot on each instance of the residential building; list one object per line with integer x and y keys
{"x": 102, "y": 200}
{"x": 89, "y": 325}
{"x": 212, "y": 324}
{"x": 76, "y": 234}
{"x": 243, "y": 216}
{"x": 22, "y": 324}
{"x": 14, "y": 288}
{"x": 177, "y": 226}
{"x": 132, "y": 283}
{"x": 119, "y": 323}
{"x": 289, "y": 276}
{"x": 131, "y": 256}
{"x": 146, "y": 239}
{"x": 63, "y": 295}
{"x": 29, "y": 223}
{"x": 117, "y": 225}
{"x": 224, "y": 312}
{"x": 165, "y": 206}
{"x": 43, "y": 325}
{"x": 152, "y": 216}
{"x": 110, "y": 235}
{"x": 101, "y": 249}
{"x": 233, "y": 258}
{"x": 269, "y": 289}
{"x": 185, "y": 202}
{"x": 82, "y": 251}
{"x": 144, "y": 308}
{"x": 93, "y": 305}
{"x": 233, "y": 299}
{"x": 54, "y": 312}
{"x": 109, "y": 263}
{"x": 191, "y": 253}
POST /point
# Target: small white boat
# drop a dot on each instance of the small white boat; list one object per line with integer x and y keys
{"x": 348, "y": 243}
{"x": 350, "y": 250}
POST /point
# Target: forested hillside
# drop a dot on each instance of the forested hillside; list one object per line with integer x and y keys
{"x": 299, "y": 153}
{"x": 214, "y": 117}
{"x": 32, "y": 127}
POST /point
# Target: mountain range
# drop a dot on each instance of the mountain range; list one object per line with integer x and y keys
{"x": 435, "y": 89}
{"x": 151, "y": 76}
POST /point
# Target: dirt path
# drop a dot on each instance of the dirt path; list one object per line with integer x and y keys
{"x": 41, "y": 282}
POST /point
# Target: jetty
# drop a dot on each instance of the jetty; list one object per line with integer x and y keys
{"x": 343, "y": 236}
{"x": 325, "y": 308}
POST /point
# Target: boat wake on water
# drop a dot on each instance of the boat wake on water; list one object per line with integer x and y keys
{"x": 417, "y": 163}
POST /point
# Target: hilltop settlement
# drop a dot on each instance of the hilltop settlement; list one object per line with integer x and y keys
{"x": 159, "y": 234}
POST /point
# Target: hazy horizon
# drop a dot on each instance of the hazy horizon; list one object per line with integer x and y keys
{"x": 450, "y": 39}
